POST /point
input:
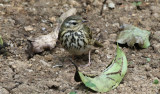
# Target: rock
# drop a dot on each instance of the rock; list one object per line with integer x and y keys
{"x": 147, "y": 67}
{"x": 3, "y": 90}
{"x": 156, "y": 74}
{"x": 156, "y": 15}
{"x": 52, "y": 19}
{"x": 97, "y": 51}
{"x": 157, "y": 47}
{"x": 98, "y": 30}
{"x": 107, "y": 24}
{"x": 43, "y": 29}
{"x": 88, "y": 8}
{"x": 44, "y": 63}
{"x": 29, "y": 70}
{"x": 111, "y": 5}
{"x": 113, "y": 37}
{"x": 109, "y": 56}
{"x": 106, "y": 42}
{"x": 97, "y": 3}
{"x": 28, "y": 28}
{"x": 104, "y": 7}
{"x": 104, "y": 35}
{"x": 155, "y": 9}
{"x": 48, "y": 57}
{"x": 154, "y": 65}
{"x": 21, "y": 19}
{"x": 124, "y": 20}
{"x": 18, "y": 65}
{"x": 53, "y": 84}
{"x": 74, "y": 3}
{"x": 116, "y": 25}
{"x": 157, "y": 35}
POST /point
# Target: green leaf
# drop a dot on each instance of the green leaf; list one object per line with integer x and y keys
{"x": 110, "y": 77}
{"x": 156, "y": 81}
{"x": 132, "y": 35}
{"x": 148, "y": 59}
{"x": 1, "y": 41}
{"x": 72, "y": 92}
{"x": 137, "y": 3}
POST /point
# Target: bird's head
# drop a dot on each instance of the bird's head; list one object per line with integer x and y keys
{"x": 73, "y": 22}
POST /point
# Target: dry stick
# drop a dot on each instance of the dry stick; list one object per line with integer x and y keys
{"x": 102, "y": 7}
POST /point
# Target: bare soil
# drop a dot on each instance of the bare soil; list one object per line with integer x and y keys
{"x": 51, "y": 72}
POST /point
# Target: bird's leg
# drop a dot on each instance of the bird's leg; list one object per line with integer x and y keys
{"x": 89, "y": 61}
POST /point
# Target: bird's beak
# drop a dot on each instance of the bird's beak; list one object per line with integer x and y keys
{"x": 84, "y": 21}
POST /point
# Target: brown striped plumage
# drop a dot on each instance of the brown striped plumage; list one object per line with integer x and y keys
{"x": 76, "y": 37}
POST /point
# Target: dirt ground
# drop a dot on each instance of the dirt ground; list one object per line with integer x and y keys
{"x": 51, "y": 72}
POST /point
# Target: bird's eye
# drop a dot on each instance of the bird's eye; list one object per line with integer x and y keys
{"x": 74, "y": 23}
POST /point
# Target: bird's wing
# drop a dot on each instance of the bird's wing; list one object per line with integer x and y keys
{"x": 88, "y": 32}
{"x": 95, "y": 43}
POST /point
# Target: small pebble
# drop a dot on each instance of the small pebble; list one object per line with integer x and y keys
{"x": 97, "y": 29}
{"x": 48, "y": 57}
{"x": 52, "y": 19}
{"x": 116, "y": 25}
{"x": 111, "y": 5}
{"x": 28, "y": 28}
{"x": 74, "y": 3}
{"x": 104, "y": 7}
{"x": 43, "y": 29}
{"x": 29, "y": 70}
{"x": 3, "y": 91}
{"x": 45, "y": 63}
{"x": 97, "y": 3}
{"x": 97, "y": 51}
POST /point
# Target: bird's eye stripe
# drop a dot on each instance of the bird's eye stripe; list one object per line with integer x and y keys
{"x": 72, "y": 21}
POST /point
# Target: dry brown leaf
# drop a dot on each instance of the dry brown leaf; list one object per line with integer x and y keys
{"x": 43, "y": 42}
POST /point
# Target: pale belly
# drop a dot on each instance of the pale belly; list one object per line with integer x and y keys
{"x": 75, "y": 43}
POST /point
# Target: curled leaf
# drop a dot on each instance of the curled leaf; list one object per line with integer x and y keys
{"x": 43, "y": 42}
{"x": 132, "y": 35}
{"x": 110, "y": 77}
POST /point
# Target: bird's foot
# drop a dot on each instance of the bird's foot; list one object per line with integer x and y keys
{"x": 87, "y": 65}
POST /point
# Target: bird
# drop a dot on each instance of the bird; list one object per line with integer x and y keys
{"x": 76, "y": 37}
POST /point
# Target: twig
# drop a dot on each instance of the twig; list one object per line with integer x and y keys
{"x": 102, "y": 7}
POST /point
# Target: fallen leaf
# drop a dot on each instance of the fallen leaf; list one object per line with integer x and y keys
{"x": 109, "y": 78}
{"x": 43, "y": 42}
{"x": 156, "y": 81}
{"x": 137, "y": 3}
{"x": 132, "y": 35}
{"x": 72, "y": 92}
{"x": 148, "y": 59}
